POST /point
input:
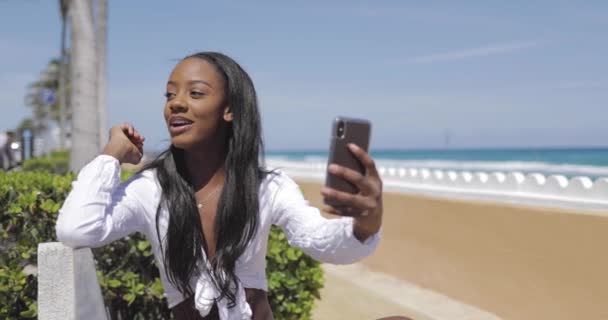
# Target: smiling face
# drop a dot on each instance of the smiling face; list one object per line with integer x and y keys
{"x": 196, "y": 111}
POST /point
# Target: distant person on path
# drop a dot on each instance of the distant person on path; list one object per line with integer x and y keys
{"x": 6, "y": 154}
{"x": 207, "y": 203}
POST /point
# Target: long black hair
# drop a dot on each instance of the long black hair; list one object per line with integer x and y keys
{"x": 236, "y": 221}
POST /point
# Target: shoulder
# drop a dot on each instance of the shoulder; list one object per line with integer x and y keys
{"x": 276, "y": 180}
{"x": 144, "y": 185}
{"x": 280, "y": 189}
{"x": 143, "y": 178}
{"x": 147, "y": 175}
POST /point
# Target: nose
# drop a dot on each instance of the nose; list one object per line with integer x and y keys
{"x": 177, "y": 105}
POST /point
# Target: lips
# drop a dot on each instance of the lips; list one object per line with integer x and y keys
{"x": 178, "y": 125}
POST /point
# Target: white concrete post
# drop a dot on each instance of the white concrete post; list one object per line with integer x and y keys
{"x": 68, "y": 288}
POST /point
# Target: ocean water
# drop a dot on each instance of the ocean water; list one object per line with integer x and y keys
{"x": 590, "y": 162}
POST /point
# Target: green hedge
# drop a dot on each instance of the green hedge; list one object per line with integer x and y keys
{"x": 56, "y": 162}
{"x": 294, "y": 279}
{"x": 29, "y": 203}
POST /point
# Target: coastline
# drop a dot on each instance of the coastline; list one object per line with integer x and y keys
{"x": 518, "y": 262}
{"x": 534, "y": 189}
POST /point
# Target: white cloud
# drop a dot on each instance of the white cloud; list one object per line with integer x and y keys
{"x": 493, "y": 49}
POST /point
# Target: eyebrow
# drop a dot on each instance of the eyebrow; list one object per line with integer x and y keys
{"x": 193, "y": 81}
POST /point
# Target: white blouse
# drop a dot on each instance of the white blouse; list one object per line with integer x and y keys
{"x": 101, "y": 209}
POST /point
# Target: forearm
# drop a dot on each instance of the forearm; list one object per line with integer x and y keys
{"x": 100, "y": 209}
{"x": 367, "y": 226}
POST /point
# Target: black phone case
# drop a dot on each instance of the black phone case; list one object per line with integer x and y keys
{"x": 356, "y": 131}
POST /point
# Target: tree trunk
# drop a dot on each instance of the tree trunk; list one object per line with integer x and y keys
{"x": 101, "y": 21}
{"x": 83, "y": 79}
{"x": 62, "y": 94}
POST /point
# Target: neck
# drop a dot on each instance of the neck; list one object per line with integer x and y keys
{"x": 206, "y": 167}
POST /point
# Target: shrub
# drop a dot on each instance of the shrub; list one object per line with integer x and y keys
{"x": 294, "y": 279}
{"x": 56, "y": 162}
{"x": 29, "y": 203}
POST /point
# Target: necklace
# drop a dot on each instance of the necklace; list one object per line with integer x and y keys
{"x": 202, "y": 203}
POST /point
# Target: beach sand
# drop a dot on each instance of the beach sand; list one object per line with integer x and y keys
{"x": 515, "y": 262}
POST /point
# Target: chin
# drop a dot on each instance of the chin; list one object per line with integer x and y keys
{"x": 187, "y": 143}
{"x": 192, "y": 141}
{"x": 179, "y": 143}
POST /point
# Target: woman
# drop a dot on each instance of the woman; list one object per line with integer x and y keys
{"x": 206, "y": 205}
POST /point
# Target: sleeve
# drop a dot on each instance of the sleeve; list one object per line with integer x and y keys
{"x": 100, "y": 209}
{"x": 326, "y": 240}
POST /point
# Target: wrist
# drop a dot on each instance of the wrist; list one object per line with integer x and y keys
{"x": 365, "y": 227}
{"x": 112, "y": 152}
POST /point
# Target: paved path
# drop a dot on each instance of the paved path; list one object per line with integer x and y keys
{"x": 356, "y": 292}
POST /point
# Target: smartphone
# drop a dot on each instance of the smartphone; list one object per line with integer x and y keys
{"x": 344, "y": 131}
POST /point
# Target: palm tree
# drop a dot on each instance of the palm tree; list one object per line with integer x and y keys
{"x": 42, "y": 111}
{"x": 83, "y": 79}
{"x": 101, "y": 21}
{"x": 62, "y": 90}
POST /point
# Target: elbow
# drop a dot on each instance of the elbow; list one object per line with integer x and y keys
{"x": 66, "y": 236}
{"x": 334, "y": 256}
{"x": 75, "y": 237}
{"x": 351, "y": 251}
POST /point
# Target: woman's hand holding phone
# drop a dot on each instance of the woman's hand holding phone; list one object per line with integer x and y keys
{"x": 365, "y": 206}
{"x": 125, "y": 144}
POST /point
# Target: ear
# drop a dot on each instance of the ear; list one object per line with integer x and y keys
{"x": 227, "y": 114}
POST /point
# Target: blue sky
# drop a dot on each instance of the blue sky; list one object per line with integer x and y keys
{"x": 492, "y": 74}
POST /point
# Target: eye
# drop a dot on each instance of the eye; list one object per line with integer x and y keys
{"x": 169, "y": 95}
{"x": 197, "y": 94}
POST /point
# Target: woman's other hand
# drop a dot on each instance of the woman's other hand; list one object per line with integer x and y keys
{"x": 126, "y": 144}
{"x": 366, "y": 205}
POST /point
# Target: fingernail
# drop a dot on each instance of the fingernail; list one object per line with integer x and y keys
{"x": 333, "y": 168}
